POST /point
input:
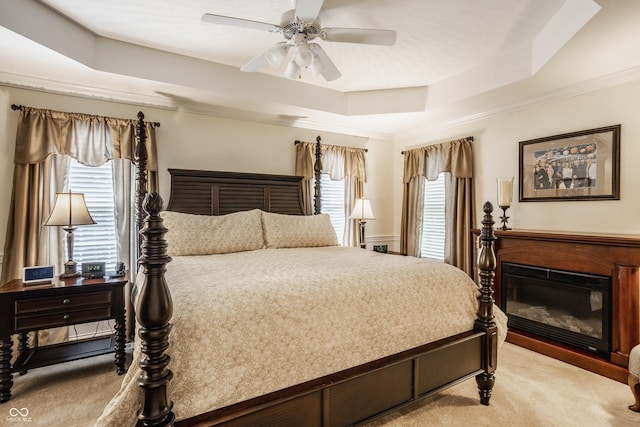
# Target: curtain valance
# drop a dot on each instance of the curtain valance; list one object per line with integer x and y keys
{"x": 453, "y": 156}
{"x": 337, "y": 161}
{"x": 42, "y": 133}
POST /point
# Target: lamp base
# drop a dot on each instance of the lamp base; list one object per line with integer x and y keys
{"x": 70, "y": 270}
{"x": 361, "y": 223}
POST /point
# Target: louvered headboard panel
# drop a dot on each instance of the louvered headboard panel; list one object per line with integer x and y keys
{"x": 218, "y": 193}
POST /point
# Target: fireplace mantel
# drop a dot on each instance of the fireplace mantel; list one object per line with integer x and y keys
{"x": 612, "y": 255}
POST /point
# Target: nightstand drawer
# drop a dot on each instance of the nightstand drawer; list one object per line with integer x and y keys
{"x": 61, "y": 318}
{"x": 69, "y": 302}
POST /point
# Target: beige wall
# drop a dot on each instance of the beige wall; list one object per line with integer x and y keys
{"x": 496, "y": 154}
{"x": 199, "y": 141}
{"x": 194, "y": 141}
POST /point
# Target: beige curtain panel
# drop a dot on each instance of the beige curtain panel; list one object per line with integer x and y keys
{"x": 456, "y": 158}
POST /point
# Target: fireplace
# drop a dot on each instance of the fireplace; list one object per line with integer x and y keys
{"x": 569, "y": 307}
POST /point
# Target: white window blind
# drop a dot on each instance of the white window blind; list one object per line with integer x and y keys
{"x": 332, "y": 199}
{"x": 433, "y": 219}
{"x": 95, "y": 242}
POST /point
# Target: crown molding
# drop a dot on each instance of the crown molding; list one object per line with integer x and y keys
{"x": 565, "y": 92}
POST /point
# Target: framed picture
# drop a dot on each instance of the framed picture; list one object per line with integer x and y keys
{"x": 581, "y": 165}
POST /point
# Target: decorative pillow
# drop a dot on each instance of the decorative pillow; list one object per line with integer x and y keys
{"x": 295, "y": 231}
{"x": 206, "y": 235}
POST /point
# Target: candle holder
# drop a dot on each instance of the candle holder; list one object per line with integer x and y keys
{"x": 504, "y": 218}
{"x": 505, "y": 189}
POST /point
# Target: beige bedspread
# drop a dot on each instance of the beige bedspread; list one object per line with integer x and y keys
{"x": 249, "y": 323}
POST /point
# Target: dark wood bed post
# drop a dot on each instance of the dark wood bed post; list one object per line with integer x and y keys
{"x": 317, "y": 169}
{"x": 154, "y": 307}
{"x": 141, "y": 177}
{"x": 485, "y": 321}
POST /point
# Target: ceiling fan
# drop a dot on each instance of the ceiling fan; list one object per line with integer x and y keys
{"x": 299, "y": 27}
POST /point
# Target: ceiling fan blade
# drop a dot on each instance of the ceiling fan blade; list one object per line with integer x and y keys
{"x": 255, "y": 64}
{"x": 331, "y": 73}
{"x": 308, "y": 9}
{"x": 238, "y": 22}
{"x": 359, "y": 35}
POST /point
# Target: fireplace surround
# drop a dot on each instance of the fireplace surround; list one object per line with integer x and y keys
{"x": 609, "y": 255}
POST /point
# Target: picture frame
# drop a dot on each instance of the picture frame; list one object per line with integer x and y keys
{"x": 583, "y": 165}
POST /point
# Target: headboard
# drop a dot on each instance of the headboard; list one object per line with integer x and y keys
{"x": 217, "y": 193}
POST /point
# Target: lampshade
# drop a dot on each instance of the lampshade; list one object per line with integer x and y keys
{"x": 292, "y": 71}
{"x": 276, "y": 54}
{"x": 362, "y": 210}
{"x": 69, "y": 209}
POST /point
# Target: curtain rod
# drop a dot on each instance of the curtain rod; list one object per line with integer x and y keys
{"x": 468, "y": 138}
{"x": 297, "y": 141}
{"x": 16, "y": 107}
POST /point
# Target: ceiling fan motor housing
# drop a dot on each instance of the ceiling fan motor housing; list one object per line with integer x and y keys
{"x": 292, "y": 25}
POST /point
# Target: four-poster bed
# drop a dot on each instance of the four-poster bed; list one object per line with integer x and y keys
{"x": 330, "y": 385}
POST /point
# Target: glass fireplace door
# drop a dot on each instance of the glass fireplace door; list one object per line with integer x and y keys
{"x": 573, "y": 308}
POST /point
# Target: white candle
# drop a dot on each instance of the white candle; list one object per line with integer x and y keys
{"x": 504, "y": 192}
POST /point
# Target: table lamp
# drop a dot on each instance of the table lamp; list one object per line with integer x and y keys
{"x": 69, "y": 210}
{"x": 362, "y": 212}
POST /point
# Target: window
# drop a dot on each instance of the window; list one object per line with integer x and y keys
{"x": 433, "y": 219}
{"x": 332, "y": 200}
{"x": 95, "y": 242}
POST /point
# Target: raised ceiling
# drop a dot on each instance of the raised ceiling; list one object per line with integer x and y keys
{"x": 158, "y": 52}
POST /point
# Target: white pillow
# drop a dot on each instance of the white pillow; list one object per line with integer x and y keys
{"x": 207, "y": 235}
{"x": 298, "y": 231}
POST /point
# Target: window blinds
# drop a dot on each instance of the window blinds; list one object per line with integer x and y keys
{"x": 433, "y": 219}
{"x": 332, "y": 199}
{"x": 95, "y": 242}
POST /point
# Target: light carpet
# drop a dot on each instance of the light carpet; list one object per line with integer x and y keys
{"x": 531, "y": 390}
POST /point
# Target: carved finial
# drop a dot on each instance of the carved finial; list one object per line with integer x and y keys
{"x": 153, "y": 203}
{"x": 487, "y": 208}
{"x": 140, "y": 115}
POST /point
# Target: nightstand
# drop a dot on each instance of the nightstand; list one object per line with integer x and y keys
{"x": 62, "y": 302}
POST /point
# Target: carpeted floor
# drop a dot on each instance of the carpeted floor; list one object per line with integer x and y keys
{"x": 531, "y": 390}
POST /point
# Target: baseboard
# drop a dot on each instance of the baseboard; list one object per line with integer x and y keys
{"x": 392, "y": 241}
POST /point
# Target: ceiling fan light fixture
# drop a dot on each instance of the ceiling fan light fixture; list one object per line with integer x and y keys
{"x": 276, "y": 54}
{"x": 317, "y": 66}
{"x": 303, "y": 56}
{"x": 293, "y": 70}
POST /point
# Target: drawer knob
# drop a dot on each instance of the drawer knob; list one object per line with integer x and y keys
{"x": 66, "y": 301}
{"x": 66, "y": 317}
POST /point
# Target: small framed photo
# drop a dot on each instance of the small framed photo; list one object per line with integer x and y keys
{"x": 582, "y": 165}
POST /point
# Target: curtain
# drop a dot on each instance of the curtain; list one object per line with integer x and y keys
{"x": 305, "y": 159}
{"x": 427, "y": 162}
{"x": 45, "y": 141}
{"x": 341, "y": 164}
